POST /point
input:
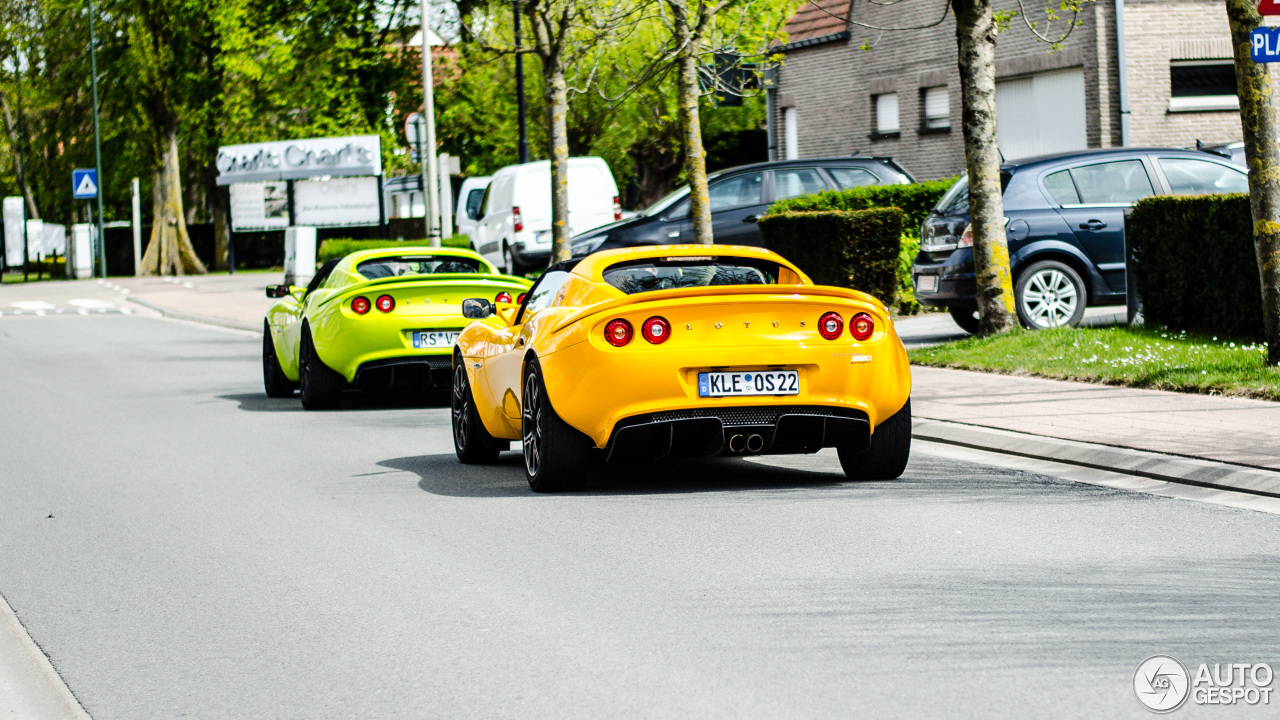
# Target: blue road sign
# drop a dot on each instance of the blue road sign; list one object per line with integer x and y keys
{"x": 1264, "y": 44}
{"x": 84, "y": 184}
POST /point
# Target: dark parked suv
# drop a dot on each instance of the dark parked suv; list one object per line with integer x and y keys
{"x": 739, "y": 196}
{"x": 1064, "y": 218}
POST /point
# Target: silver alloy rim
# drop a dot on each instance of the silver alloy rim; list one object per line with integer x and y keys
{"x": 1049, "y": 299}
{"x": 531, "y": 426}
{"x": 460, "y": 398}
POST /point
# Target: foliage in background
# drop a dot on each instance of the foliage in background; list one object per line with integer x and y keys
{"x": 856, "y": 249}
{"x": 1195, "y": 264}
{"x": 1162, "y": 360}
{"x": 340, "y": 248}
{"x": 915, "y": 200}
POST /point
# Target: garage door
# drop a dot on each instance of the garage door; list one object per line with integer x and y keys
{"x": 1042, "y": 113}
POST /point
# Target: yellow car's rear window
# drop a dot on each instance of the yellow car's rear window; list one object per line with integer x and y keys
{"x": 686, "y": 272}
{"x": 399, "y": 266}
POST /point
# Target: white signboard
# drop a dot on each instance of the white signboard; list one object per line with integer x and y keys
{"x": 259, "y": 206}
{"x": 339, "y": 202}
{"x": 292, "y": 159}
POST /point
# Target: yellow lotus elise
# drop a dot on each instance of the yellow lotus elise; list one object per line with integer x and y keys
{"x": 376, "y": 320}
{"x": 680, "y": 350}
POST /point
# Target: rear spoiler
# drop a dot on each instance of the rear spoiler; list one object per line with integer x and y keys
{"x": 721, "y": 290}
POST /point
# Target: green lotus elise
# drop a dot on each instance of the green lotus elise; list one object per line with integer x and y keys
{"x": 375, "y": 320}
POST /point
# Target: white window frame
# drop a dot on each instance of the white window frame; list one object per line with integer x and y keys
{"x": 886, "y": 107}
{"x": 943, "y": 121}
{"x": 790, "y": 134}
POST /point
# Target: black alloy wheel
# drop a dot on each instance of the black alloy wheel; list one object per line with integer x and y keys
{"x": 557, "y": 457}
{"x": 320, "y": 386}
{"x": 473, "y": 444}
{"x": 273, "y": 378}
{"x": 890, "y": 449}
{"x": 509, "y": 259}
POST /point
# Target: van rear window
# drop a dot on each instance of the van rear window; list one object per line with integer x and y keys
{"x": 688, "y": 272}
{"x": 401, "y": 265}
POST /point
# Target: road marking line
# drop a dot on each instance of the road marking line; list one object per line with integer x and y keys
{"x": 29, "y": 680}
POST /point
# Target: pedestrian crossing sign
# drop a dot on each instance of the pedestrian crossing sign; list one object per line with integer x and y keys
{"x": 84, "y": 184}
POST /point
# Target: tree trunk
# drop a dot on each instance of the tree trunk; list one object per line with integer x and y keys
{"x": 976, "y": 41}
{"x": 695, "y": 157}
{"x": 221, "y": 222}
{"x": 33, "y": 213}
{"x": 169, "y": 251}
{"x": 557, "y": 96}
{"x": 1258, "y": 116}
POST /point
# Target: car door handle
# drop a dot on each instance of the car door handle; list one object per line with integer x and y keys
{"x": 1092, "y": 225}
{"x": 751, "y": 219}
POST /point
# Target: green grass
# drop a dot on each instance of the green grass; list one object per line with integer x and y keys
{"x": 1118, "y": 356}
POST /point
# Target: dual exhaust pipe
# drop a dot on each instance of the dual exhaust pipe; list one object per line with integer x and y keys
{"x": 739, "y": 444}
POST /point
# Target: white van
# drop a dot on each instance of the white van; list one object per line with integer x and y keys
{"x": 468, "y": 210}
{"x": 514, "y": 229}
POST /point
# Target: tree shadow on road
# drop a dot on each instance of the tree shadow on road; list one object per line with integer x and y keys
{"x": 351, "y": 401}
{"x": 444, "y": 475}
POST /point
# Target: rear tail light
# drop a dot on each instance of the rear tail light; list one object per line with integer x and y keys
{"x": 386, "y": 303}
{"x": 656, "y": 330}
{"x": 966, "y": 237}
{"x": 862, "y": 326}
{"x": 517, "y": 218}
{"x": 520, "y": 298}
{"x": 617, "y": 208}
{"x": 503, "y": 297}
{"x": 830, "y": 325}
{"x": 360, "y": 305}
{"x": 618, "y": 332}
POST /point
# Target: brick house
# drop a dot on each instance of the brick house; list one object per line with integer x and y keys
{"x": 901, "y": 97}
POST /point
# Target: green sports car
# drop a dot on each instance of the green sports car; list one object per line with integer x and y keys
{"x": 376, "y": 320}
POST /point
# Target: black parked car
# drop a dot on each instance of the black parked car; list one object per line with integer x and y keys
{"x": 1064, "y": 218}
{"x": 739, "y": 196}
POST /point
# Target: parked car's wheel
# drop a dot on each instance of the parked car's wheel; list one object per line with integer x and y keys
{"x": 321, "y": 386}
{"x": 890, "y": 449}
{"x": 513, "y": 266}
{"x": 557, "y": 457}
{"x": 966, "y": 318}
{"x": 277, "y": 385}
{"x": 471, "y": 441}
{"x": 1049, "y": 294}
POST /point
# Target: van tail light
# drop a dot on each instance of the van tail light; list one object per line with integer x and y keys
{"x": 656, "y": 330}
{"x": 618, "y": 332}
{"x": 617, "y": 208}
{"x": 861, "y": 326}
{"x": 517, "y": 219}
{"x": 360, "y": 305}
{"x": 386, "y": 303}
{"x": 830, "y": 325}
{"x": 520, "y": 298}
{"x": 503, "y": 297}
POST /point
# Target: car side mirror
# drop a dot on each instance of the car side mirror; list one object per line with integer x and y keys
{"x": 277, "y": 291}
{"x": 477, "y": 308}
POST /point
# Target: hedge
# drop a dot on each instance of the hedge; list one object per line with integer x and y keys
{"x": 1195, "y": 264}
{"x": 341, "y": 247}
{"x": 857, "y": 249}
{"x": 916, "y": 200}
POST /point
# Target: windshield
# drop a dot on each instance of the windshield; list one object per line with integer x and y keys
{"x": 956, "y": 201}
{"x": 689, "y": 272}
{"x": 398, "y": 266}
{"x": 665, "y": 202}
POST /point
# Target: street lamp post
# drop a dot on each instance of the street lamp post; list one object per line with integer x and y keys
{"x": 429, "y": 171}
{"x": 97, "y": 141}
{"x": 520, "y": 110}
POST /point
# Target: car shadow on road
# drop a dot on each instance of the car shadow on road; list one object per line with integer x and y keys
{"x": 444, "y": 475}
{"x": 351, "y": 401}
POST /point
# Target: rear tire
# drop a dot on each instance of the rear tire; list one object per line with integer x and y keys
{"x": 509, "y": 259}
{"x": 321, "y": 387}
{"x": 966, "y": 318}
{"x": 890, "y": 449}
{"x": 557, "y": 457}
{"x": 273, "y": 378}
{"x": 473, "y": 444}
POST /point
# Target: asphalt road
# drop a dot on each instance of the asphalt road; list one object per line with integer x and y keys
{"x": 181, "y": 546}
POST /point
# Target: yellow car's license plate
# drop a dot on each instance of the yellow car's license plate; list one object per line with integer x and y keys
{"x": 435, "y": 339}
{"x": 755, "y": 382}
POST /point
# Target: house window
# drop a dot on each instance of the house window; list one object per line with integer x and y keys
{"x": 1202, "y": 85}
{"x": 790, "y": 133}
{"x": 886, "y": 107}
{"x": 937, "y": 109}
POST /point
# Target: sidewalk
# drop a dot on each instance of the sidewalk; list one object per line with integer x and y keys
{"x": 237, "y": 301}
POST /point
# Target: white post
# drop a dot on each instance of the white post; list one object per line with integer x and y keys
{"x": 135, "y": 193}
{"x": 446, "y": 198}
{"x": 429, "y": 171}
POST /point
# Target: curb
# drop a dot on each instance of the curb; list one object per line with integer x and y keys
{"x": 30, "y": 687}
{"x": 203, "y": 319}
{"x": 1155, "y": 466}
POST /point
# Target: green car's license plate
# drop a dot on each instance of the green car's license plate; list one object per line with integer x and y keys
{"x": 427, "y": 339}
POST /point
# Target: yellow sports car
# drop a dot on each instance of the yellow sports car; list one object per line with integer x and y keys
{"x": 376, "y": 319}
{"x": 680, "y": 350}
